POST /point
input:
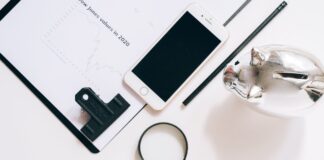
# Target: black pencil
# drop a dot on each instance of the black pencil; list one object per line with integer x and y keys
{"x": 234, "y": 53}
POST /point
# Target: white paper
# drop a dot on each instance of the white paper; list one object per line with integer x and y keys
{"x": 62, "y": 46}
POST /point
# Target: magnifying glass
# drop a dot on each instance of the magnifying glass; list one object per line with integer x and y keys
{"x": 163, "y": 141}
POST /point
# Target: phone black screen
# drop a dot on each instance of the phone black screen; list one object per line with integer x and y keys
{"x": 173, "y": 59}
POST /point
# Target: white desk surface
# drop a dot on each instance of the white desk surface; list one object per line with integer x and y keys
{"x": 3, "y": 3}
{"x": 218, "y": 125}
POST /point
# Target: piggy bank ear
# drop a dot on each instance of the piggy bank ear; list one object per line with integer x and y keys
{"x": 257, "y": 57}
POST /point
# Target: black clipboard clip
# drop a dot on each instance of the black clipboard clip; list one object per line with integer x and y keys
{"x": 102, "y": 114}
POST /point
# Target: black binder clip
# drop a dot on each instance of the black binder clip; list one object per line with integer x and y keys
{"x": 102, "y": 114}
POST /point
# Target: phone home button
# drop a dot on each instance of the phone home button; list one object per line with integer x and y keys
{"x": 144, "y": 91}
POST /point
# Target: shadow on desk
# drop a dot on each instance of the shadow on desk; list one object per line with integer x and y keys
{"x": 239, "y": 133}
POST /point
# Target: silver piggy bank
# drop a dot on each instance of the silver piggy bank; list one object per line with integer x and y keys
{"x": 277, "y": 75}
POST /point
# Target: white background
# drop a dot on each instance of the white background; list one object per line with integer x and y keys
{"x": 3, "y": 3}
{"x": 218, "y": 125}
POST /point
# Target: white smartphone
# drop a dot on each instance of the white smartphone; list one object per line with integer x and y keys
{"x": 173, "y": 59}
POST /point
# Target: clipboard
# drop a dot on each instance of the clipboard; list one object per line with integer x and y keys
{"x": 50, "y": 106}
{"x": 53, "y": 60}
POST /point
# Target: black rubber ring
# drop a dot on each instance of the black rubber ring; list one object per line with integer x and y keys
{"x": 162, "y": 123}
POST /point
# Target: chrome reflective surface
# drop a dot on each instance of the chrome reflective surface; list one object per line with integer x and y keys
{"x": 276, "y": 74}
